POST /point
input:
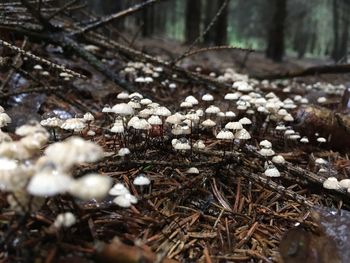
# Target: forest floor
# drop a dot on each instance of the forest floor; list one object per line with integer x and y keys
{"x": 230, "y": 211}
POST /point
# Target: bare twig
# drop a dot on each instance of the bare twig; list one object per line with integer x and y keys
{"x": 109, "y": 18}
{"x": 40, "y": 60}
{"x": 207, "y": 29}
{"x": 216, "y": 48}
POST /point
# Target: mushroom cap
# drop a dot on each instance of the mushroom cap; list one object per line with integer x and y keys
{"x": 225, "y": 134}
{"x": 91, "y": 186}
{"x": 320, "y": 161}
{"x": 155, "y": 120}
{"x": 75, "y": 124}
{"x": 192, "y": 170}
{"x": 230, "y": 114}
{"x": 182, "y": 145}
{"x": 331, "y": 183}
{"x": 73, "y": 150}
{"x": 132, "y": 121}
{"x": 321, "y": 140}
{"x": 186, "y": 104}
{"x": 145, "y": 101}
{"x": 123, "y": 109}
{"x": 88, "y": 117}
{"x": 118, "y": 189}
{"x": 212, "y": 109}
{"x": 135, "y": 94}
{"x": 123, "y": 151}
{"x": 145, "y": 113}
{"x": 232, "y": 96}
{"x": 242, "y": 86}
{"x": 191, "y": 99}
{"x": 245, "y": 121}
{"x": 172, "y": 85}
{"x": 265, "y": 144}
{"x": 51, "y": 122}
{"x": 278, "y": 159}
{"x": 304, "y": 140}
{"x": 199, "y": 144}
{"x": 141, "y": 124}
{"x": 345, "y": 183}
{"x": 134, "y": 104}
{"x": 234, "y": 125}
{"x": 141, "y": 180}
{"x": 242, "y": 134}
{"x": 208, "y": 123}
{"x": 173, "y": 119}
{"x": 49, "y": 183}
{"x": 267, "y": 152}
{"x": 123, "y": 95}
{"x": 162, "y": 111}
{"x": 125, "y": 200}
{"x": 207, "y": 97}
{"x": 117, "y": 128}
{"x": 272, "y": 172}
{"x": 31, "y": 128}
{"x": 66, "y": 219}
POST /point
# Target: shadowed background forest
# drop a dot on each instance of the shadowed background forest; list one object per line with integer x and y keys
{"x": 296, "y": 28}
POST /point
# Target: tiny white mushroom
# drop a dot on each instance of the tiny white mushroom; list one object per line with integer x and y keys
{"x": 345, "y": 183}
{"x": 64, "y": 220}
{"x": 141, "y": 180}
{"x": 118, "y": 189}
{"x": 331, "y": 183}
{"x": 125, "y": 200}
{"x": 278, "y": 159}
{"x": 272, "y": 172}
{"x": 192, "y": 170}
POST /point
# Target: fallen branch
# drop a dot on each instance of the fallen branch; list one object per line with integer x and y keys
{"x": 41, "y": 60}
{"x": 107, "y": 19}
{"x": 324, "y": 69}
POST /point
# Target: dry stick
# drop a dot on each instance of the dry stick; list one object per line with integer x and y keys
{"x": 216, "y": 48}
{"x": 324, "y": 69}
{"x": 108, "y": 19}
{"x": 247, "y": 236}
{"x": 207, "y": 29}
{"x": 62, "y": 9}
{"x": 300, "y": 172}
{"x": 40, "y": 60}
{"x": 38, "y": 16}
{"x": 19, "y": 3}
{"x": 268, "y": 183}
{"x": 12, "y": 70}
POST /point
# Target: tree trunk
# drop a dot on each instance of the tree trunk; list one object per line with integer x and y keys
{"x": 275, "y": 37}
{"x": 221, "y": 25}
{"x": 160, "y": 18}
{"x": 335, "y": 50}
{"x": 210, "y": 10}
{"x": 193, "y": 20}
{"x": 343, "y": 46}
{"x": 148, "y": 21}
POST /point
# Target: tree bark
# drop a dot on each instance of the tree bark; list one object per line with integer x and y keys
{"x": 221, "y": 25}
{"x": 275, "y": 38}
{"x": 335, "y": 50}
{"x": 148, "y": 21}
{"x": 193, "y": 20}
{"x": 210, "y": 10}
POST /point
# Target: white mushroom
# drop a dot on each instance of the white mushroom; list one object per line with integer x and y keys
{"x": 331, "y": 183}
{"x": 125, "y": 200}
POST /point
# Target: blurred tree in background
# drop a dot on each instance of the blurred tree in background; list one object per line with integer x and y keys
{"x": 318, "y": 28}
